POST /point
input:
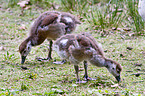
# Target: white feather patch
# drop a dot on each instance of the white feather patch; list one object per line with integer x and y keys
{"x": 61, "y": 53}
{"x": 68, "y": 19}
{"x": 29, "y": 44}
{"x": 64, "y": 41}
{"x": 28, "y": 48}
{"x": 59, "y": 17}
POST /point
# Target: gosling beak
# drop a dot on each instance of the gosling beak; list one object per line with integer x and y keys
{"x": 23, "y": 59}
{"x": 118, "y": 78}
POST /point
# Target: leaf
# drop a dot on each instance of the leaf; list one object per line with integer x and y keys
{"x": 113, "y": 28}
{"x": 28, "y": 7}
{"x": 54, "y": 86}
{"x": 126, "y": 29}
{"x": 106, "y": 91}
{"x": 129, "y": 48}
{"x": 22, "y": 27}
{"x": 23, "y": 3}
{"x": 7, "y": 53}
{"x": 48, "y": 93}
{"x": 57, "y": 90}
{"x": 41, "y": 76}
{"x": 115, "y": 85}
{"x": 137, "y": 74}
{"x": 119, "y": 29}
{"x": 131, "y": 34}
{"x": 138, "y": 64}
{"x": 74, "y": 85}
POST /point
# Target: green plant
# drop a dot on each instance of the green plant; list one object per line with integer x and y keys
{"x": 101, "y": 20}
{"x": 137, "y": 20}
{"x": 42, "y": 3}
{"x": 75, "y": 5}
{"x": 24, "y": 87}
{"x": 107, "y": 17}
{"x": 12, "y": 3}
{"x": 8, "y": 56}
{"x": 114, "y": 15}
{"x": 32, "y": 75}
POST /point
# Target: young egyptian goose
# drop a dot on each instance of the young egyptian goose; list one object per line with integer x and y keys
{"x": 78, "y": 48}
{"x": 49, "y": 25}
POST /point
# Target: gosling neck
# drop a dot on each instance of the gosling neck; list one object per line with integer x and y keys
{"x": 98, "y": 61}
{"x": 36, "y": 40}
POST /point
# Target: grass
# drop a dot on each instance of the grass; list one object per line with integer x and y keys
{"x": 45, "y": 78}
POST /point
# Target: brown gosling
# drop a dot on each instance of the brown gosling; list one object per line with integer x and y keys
{"x": 78, "y": 48}
{"x": 50, "y": 26}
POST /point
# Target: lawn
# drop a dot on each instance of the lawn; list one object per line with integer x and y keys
{"x": 123, "y": 44}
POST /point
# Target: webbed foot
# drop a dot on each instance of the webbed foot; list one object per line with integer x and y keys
{"x": 80, "y": 81}
{"x": 89, "y": 78}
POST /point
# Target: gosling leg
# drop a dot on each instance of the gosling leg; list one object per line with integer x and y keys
{"x": 78, "y": 79}
{"x": 49, "y": 53}
{"x": 86, "y": 77}
{"x": 50, "y": 50}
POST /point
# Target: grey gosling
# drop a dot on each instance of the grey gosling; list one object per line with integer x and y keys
{"x": 78, "y": 48}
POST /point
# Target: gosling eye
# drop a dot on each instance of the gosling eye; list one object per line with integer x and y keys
{"x": 107, "y": 66}
{"x": 113, "y": 68}
{"x": 28, "y": 48}
{"x": 25, "y": 51}
{"x": 118, "y": 71}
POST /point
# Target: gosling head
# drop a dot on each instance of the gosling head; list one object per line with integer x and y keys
{"x": 114, "y": 68}
{"x": 24, "y": 50}
{"x": 70, "y": 24}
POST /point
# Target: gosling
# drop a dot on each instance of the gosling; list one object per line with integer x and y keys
{"x": 50, "y": 26}
{"x": 83, "y": 47}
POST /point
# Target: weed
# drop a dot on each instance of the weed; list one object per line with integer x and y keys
{"x": 33, "y": 76}
{"x": 7, "y": 56}
{"x": 42, "y": 3}
{"x": 12, "y": 3}
{"x": 137, "y": 20}
{"x": 108, "y": 19}
{"x": 24, "y": 87}
{"x": 78, "y": 6}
